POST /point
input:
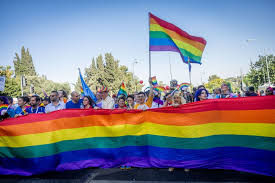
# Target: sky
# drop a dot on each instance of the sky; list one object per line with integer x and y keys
{"x": 63, "y": 35}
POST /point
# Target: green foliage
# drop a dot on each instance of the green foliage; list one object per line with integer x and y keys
{"x": 214, "y": 82}
{"x": 257, "y": 75}
{"x": 24, "y": 66}
{"x": 12, "y": 87}
{"x": 108, "y": 72}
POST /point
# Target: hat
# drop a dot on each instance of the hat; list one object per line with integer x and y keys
{"x": 104, "y": 89}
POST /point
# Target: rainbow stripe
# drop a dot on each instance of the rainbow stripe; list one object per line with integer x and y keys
{"x": 183, "y": 85}
{"x": 3, "y": 107}
{"x": 154, "y": 81}
{"x": 212, "y": 134}
{"x": 165, "y": 36}
{"x": 159, "y": 88}
{"x": 122, "y": 90}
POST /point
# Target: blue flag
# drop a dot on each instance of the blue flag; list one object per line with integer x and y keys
{"x": 86, "y": 89}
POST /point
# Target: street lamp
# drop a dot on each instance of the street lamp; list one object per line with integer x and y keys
{"x": 135, "y": 62}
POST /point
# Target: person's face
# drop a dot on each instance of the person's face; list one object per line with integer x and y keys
{"x": 86, "y": 101}
{"x": 141, "y": 98}
{"x": 60, "y": 94}
{"x": 177, "y": 99}
{"x": 45, "y": 102}
{"x": 75, "y": 97}
{"x": 203, "y": 95}
{"x": 121, "y": 102}
{"x": 98, "y": 96}
{"x": 104, "y": 95}
{"x": 217, "y": 91}
{"x": 130, "y": 101}
{"x": 21, "y": 102}
{"x": 268, "y": 92}
{"x": 224, "y": 88}
{"x": 53, "y": 97}
{"x": 33, "y": 101}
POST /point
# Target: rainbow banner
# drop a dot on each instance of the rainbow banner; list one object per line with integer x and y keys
{"x": 122, "y": 90}
{"x": 159, "y": 88}
{"x": 234, "y": 134}
{"x": 165, "y": 36}
{"x": 3, "y": 107}
{"x": 183, "y": 85}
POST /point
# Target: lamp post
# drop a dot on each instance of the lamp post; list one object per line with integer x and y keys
{"x": 135, "y": 62}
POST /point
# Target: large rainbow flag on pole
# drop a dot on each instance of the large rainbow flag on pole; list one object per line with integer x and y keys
{"x": 235, "y": 134}
{"x": 165, "y": 36}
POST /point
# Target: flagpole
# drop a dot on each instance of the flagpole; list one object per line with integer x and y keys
{"x": 149, "y": 47}
{"x": 189, "y": 72}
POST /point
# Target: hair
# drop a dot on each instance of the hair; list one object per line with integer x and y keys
{"x": 4, "y": 99}
{"x": 55, "y": 92}
{"x": 10, "y": 99}
{"x": 25, "y": 99}
{"x": 131, "y": 96}
{"x": 139, "y": 93}
{"x": 47, "y": 99}
{"x": 201, "y": 86}
{"x": 198, "y": 93}
{"x": 178, "y": 94}
{"x": 64, "y": 93}
{"x": 91, "y": 101}
{"x": 37, "y": 98}
{"x": 251, "y": 88}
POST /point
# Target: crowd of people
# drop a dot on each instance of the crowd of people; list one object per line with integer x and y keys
{"x": 143, "y": 100}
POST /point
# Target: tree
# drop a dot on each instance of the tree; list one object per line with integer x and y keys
{"x": 214, "y": 82}
{"x": 24, "y": 66}
{"x": 108, "y": 72}
{"x": 12, "y": 87}
{"x": 257, "y": 74}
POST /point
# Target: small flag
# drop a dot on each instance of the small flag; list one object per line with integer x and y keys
{"x": 122, "y": 90}
{"x": 86, "y": 89}
{"x": 183, "y": 85}
{"x": 3, "y": 107}
{"x": 154, "y": 81}
{"x": 159, "y": 88}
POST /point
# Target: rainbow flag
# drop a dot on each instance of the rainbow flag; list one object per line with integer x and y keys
{"x": 122, "y": 90}
{"x": 82, "y": 91}
{"x": 154, "y": 81}
{"x": 183, "y": 85}
{"x": 159, "y": 88}
{"x": 234, "y": 134}
{"x": 3, "y": 107}
{"x": 165, "y": 36}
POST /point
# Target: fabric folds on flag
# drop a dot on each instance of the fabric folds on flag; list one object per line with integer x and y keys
{"x": 122, "y": 90}
{"x": 85, "y": 88}
{"x": 165, "y": 36}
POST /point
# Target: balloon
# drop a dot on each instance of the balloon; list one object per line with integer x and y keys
{"x": 167, "y": 88}
{"x": 140, "y": 81}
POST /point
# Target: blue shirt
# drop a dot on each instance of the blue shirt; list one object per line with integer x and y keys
{"x": 30, "y": 110}
{"x": 71, "y": 105}
{"x": 19, "y": 110}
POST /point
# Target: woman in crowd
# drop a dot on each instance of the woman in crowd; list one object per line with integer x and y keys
{"x": 130, "y": 102}
{"x": 269, "y": 91}
{"x": 121, "y": 103}
{"x": 88, "y": 102}
{"x": 201, "y": 94}
{"x": 63, "y": 96}
{"x": 176, "y": 99}
{"x": 226, "y": 91}
{"x": 21, "y": 109}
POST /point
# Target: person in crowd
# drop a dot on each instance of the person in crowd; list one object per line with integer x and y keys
{"x": 3, "y": 110}
{"x": 55, "y": 104}
{"x": 201, "y": 94}
{"x": 176, "y": 100}
{"x": 63, "y": 97}
{"x": 217, "y": 93}
{"x": 141, "y": 104}
{"x": 201, "y": 87}
{"x": 35, "y": 108}
{"x": 88, "y": 102}
{"x": 76, "y": 102}
{"x": 107, "y": 101}
{"x": 157, "y": 102}
{"x": 251, "y": 92}
{"x": 130, "y": 102}
{"x": 21, "y": 109}
{"x": 226, "y": 91}
{"x": 99, "y": 100}
{"x": 10, "y": 110}
{"x": 121, "y": 102}
{"x": 46, "y": 101}
{"x": 269, "y": 91}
